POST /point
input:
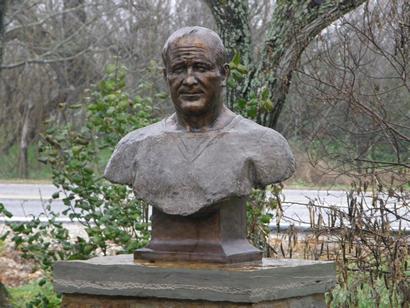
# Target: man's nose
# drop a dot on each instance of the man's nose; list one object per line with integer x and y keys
{"x": 190, "y": 78}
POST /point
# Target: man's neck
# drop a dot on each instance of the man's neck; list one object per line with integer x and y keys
{"x": 203, "y": 123}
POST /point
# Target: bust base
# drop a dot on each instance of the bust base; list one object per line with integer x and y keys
{"x": 227, "y": 254}
{"x": 217, "y": 235}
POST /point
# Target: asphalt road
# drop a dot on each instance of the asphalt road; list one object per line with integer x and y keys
{"x": 25, "y": 200}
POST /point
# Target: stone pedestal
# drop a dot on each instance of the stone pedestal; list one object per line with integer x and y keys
{"x": 122, "y": 282}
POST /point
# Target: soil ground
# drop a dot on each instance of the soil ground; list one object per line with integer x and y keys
{"x": 14, "y": 270}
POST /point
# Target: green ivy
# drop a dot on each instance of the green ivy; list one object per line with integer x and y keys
{"x": 255, "y": 103}
{"x": 260, "y": 208}
{"x": 38, "y": 294}
{"x": 110, "y": 214}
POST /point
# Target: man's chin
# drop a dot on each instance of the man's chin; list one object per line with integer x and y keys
{"x": 193, "y": 107}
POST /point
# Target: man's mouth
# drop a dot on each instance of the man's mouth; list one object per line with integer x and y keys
{"x": 190, "y": 95}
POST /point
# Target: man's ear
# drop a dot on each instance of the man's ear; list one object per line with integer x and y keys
{"x": 226, "y": 72}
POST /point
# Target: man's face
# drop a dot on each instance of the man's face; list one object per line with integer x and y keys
{"x": 194, "y": 78}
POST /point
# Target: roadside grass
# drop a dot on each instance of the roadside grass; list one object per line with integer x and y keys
{"x": 296, "y": 183}
{"x": 358, "y": 293}
{"x": 36, "y": 169}
{"x": 38, "y": 172}
{"x": 34, "y": 294}
{"x": 25, "y": 181}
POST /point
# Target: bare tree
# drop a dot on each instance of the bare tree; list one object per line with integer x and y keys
{"x": 293, "y": 25}
{"x": 349, "y": 101}
{"x": 54, "y": 50}
{"x": 3, "y": 7}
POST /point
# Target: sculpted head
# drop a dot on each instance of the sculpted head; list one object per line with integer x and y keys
{"x": 195, "y": 71}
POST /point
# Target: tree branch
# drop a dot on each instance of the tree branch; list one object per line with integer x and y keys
{"x": 294, "y": 25}
{"x": 3, "y": 7}
{"x": 231, "y": 17}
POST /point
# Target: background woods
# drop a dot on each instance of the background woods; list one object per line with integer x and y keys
{"x": 54, "y": 50}
{"x": 305, "y": 68}
{"x": 331, "y": 75}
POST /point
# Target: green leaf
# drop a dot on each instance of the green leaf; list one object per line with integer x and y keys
{"x": 242, "y": 69}
{"x": 237, "y": 75}
{"x": 161, "y": 95}
{"x": 4, "y": 211}
{"x": 7, "y": 213}
{"x": 55, "y": 195}
{"x": 241, "y": 103}
{"x": 75, "y": 106}
{"x": 236, "y": 59}
{"x": 110, "y": 110}
{"x": 42, "y": 282}
{"x": 252, "y": 112}
{"x": 265, "y": 93}
{"x": 4, "y": 236}
{"x": 267, "y": 105}
{"x": 265, "y": 219}
{"x": 231, "y": 83}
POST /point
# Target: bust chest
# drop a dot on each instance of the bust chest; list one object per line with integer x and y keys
{"x": 192, "y": 169}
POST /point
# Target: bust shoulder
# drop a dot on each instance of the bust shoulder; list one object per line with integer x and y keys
{"x": 272, "y": 158}
{"x": 258, "y": 132}
{"x": 119, "y": 168}
{"x": 141, "y": 133}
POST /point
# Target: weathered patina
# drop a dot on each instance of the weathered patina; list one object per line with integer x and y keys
{"x": 197, "y": 166}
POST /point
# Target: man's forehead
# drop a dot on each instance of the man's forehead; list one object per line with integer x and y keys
{"x": 197, "y": 40}
{"x": 191, "y": 45}
{"x": 189, "y": 52}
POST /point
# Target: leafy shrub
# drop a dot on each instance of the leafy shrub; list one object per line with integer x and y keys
{"x": 110, "y": 214}
{"x": 36, "y": 294}
{"x": 370, "y": 246}
{"x": 260, "y": 208}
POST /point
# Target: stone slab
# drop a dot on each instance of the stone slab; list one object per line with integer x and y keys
{"x": 92, "y": 301}
{"x": 271, "y": 279}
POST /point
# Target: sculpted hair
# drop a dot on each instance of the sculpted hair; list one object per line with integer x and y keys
{"x": 213, "y": 40}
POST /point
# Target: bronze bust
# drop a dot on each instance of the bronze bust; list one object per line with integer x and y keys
{"x": 197, "y": 167}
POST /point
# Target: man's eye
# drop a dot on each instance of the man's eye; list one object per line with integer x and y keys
{"x": 178, "y": 69}
{"x": 202, "y": 68}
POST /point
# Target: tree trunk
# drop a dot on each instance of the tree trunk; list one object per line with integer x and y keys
{"x": 3, "y": 7}
{"x": 231, "y": 17}
{"x": 27, "y": 133}
{"x": 74, "y": 17}
{"x": 293, "y": 26}
{"x": 74, "y": 73}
